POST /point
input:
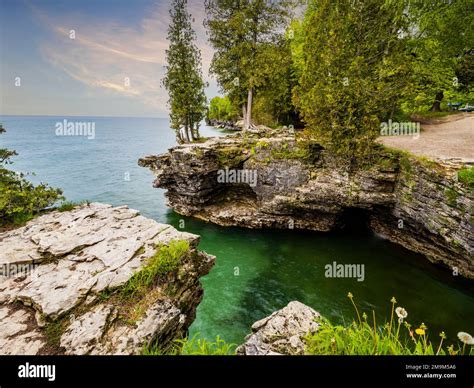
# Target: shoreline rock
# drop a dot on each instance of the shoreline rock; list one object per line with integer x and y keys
{"x": 226, "y": 124}
{"x": 281, "y": 333}
{"x": 79, "y": 262}
{"x": 415, "y": 203}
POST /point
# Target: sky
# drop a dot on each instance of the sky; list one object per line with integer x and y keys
{"x": 89, "y": 57}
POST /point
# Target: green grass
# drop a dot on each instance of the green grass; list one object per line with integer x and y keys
{"x": 466, "y": 176}
{"x": 53, "y": 332}
{"x": 167, "y": 258}
{"x": 70, "y": 205}
{"x": 194, "y": 346}
{"x": 364, "y": 337}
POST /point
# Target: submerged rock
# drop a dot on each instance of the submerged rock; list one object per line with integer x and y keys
{"x": 69, "y": 297}
{"x": 413, "y": 202}
{"x": 282, "y": 332}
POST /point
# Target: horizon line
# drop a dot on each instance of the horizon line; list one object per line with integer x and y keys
{"x": 67, "y": 115}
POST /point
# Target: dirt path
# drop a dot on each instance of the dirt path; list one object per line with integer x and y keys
{"x": 451, "y": 137}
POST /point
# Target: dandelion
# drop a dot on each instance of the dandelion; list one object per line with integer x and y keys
{"x": 393, "y": 300}
{"x": 401, "y": 313}
{"x": 350, "y": 296}
{"x": 466, "y": 339}
{"x": 420, "y": 331}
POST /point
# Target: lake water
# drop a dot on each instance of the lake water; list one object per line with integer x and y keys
{"x": 257, "y": 271}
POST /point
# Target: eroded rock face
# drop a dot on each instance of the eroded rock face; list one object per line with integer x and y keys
{"x": 79, "y": 261}
{"x": 282, "y": 332}
{"x": 412, "y": 202}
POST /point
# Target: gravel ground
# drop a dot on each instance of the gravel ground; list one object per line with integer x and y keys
{"x": 451, "y": 137}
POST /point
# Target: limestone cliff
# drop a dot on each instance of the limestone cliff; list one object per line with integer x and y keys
{"x": 85, "y": 285}
{"x": 413, "y": 202}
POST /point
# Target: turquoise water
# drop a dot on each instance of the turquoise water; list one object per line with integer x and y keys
{"x": 256, "y": 271}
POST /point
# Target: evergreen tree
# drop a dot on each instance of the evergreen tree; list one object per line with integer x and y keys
{"x": 239, "y": 30}
{"x": 353, "y": 71}
{"x": 183, "y": 79}
{"x": 441, "y": 45}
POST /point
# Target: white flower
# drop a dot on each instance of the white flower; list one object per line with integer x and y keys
{"x": 401, "y": 313}
{"x": 466, "y": 338}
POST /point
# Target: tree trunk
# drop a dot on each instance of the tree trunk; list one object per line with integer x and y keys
{"x": 249, "y": 108}
{"x": 437, "y": 103}
{"x": 186, "y": 133}
{"x": 244, "y": 115}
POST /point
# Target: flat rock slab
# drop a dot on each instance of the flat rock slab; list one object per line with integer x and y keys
{"x": 282, "y": 332}
{"x": 68, "y": 260}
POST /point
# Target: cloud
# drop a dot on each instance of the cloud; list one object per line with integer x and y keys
{"x": 115, "y": 58}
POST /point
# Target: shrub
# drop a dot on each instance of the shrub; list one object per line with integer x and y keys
{"x": 20, "y": 200}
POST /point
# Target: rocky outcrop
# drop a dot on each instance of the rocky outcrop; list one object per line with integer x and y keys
{"x": 227, "y": 125}
{"x": 73, "y": 283}
{"x": 282, "y": 332}
{"x": 411, "y": 201}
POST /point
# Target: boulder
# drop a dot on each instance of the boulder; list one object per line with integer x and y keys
{"x": 282, "y": 332}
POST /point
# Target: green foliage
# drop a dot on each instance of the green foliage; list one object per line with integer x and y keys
{"x": 20, "y": 200}
{"x": 364, "y": 337}
{"x": 466, "y": 176}
{"x": 273, "y": 105}
{"x": 230, "y": 157}
{"x": 451, "y": 196}
{"x": 355, "y": 79}
{"x": 167, "y": 258}
{"x": 243, "y": 35}
{"x": 440, "y": 47}
{"x": 220, "y": 108}
{"x": 194, "y": 346}
{"x": 183, "y": 79}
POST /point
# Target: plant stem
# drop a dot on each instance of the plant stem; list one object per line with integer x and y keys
{"x": 375, "y": 331}
{"x": 391, "y": 319}
{"x": 357, "y": 311}
{"x": 439, "y": 347}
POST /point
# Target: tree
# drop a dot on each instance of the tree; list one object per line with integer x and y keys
{"x": 220, "y": 108}
{"x": 183, "y": 78}
{"x": 239, "y": 30}
{"x": 20, "y": 200}
{"x": 441, "y": 45}
{"x": 353, "y": 72}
